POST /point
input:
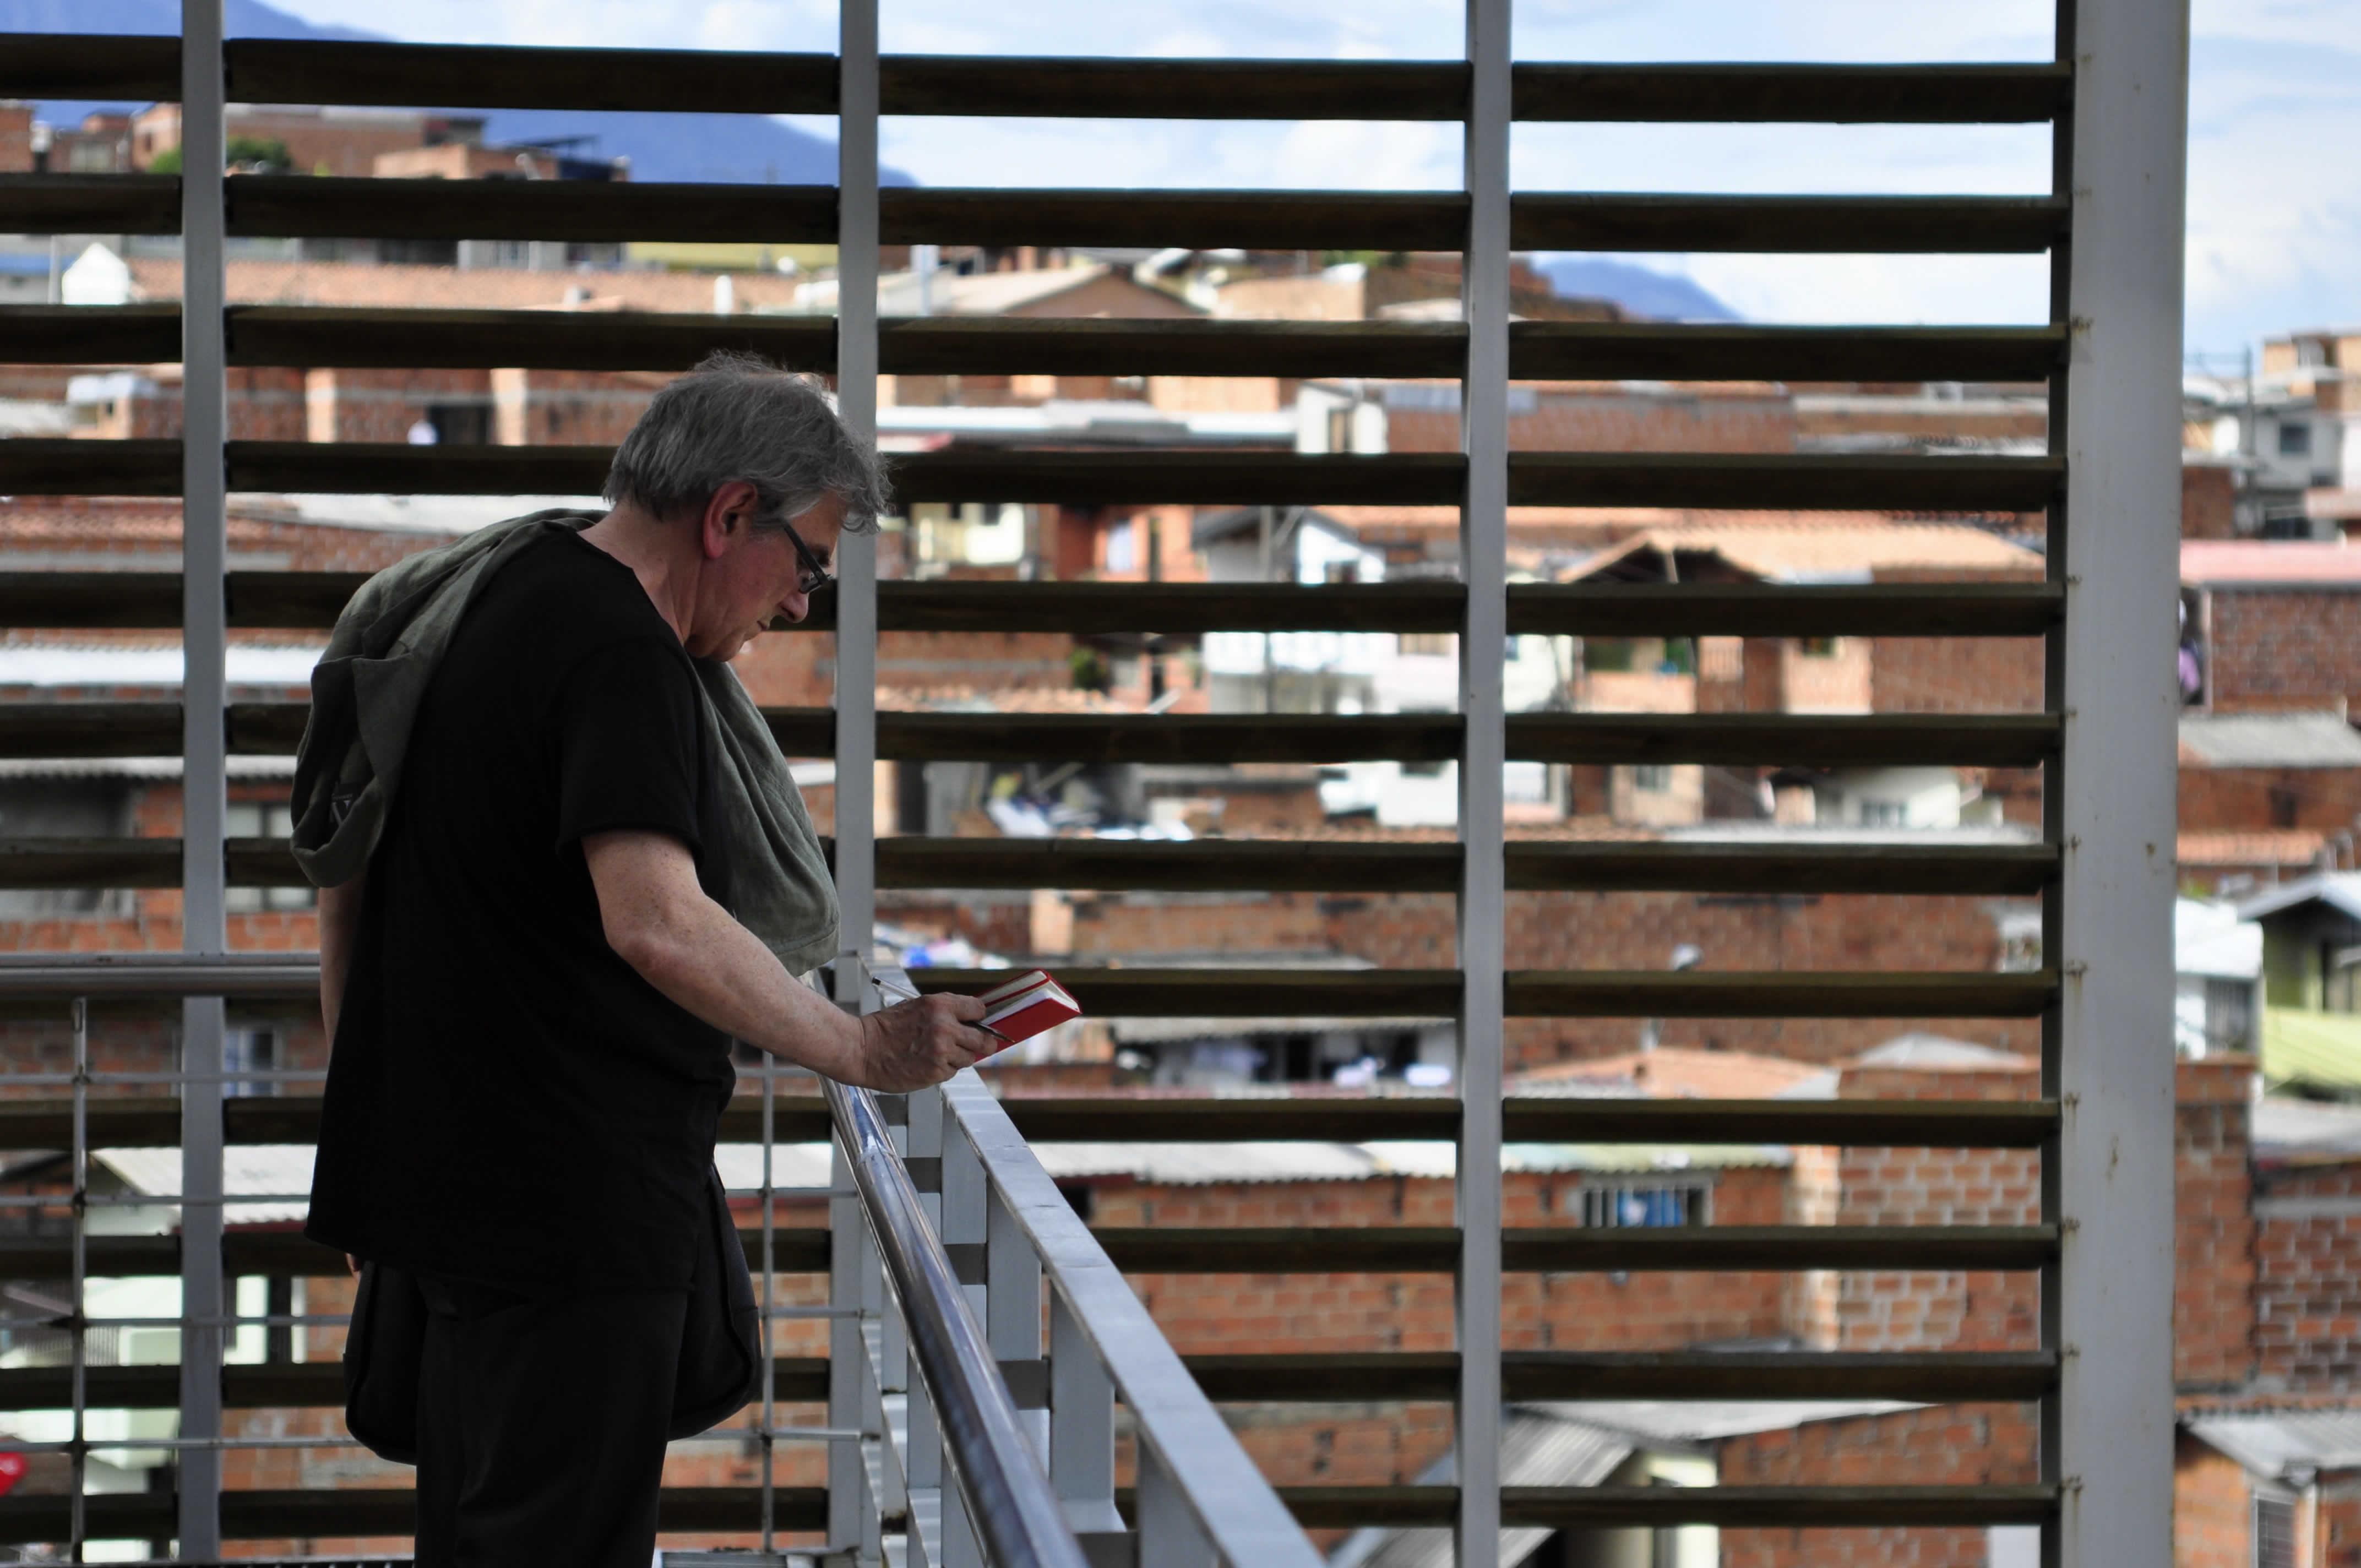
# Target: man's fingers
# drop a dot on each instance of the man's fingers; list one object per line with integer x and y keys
{"x": 966, "y": 1009}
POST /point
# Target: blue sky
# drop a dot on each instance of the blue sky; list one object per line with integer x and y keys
{"x": 2275, "y": 187}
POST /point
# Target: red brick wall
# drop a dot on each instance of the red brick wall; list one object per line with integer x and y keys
{"x": 1955, "y": 675}
{"x": 2208, "y": 502}
{"x": 2307, "y": 1284}
{"x": 2273, "y": 651}
{"x": 2214, "y": 1239}
{"x": 16, "y": 139}
{"x": 1942, "y": 1445}
{"x": 2210, "y": 1525}
{"x": 2228, "y": 799}
{"x": 1607, "y": 418}
{"x": 2340, "y": 1521}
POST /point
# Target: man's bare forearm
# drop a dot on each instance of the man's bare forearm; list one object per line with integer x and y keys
{"x": 340, "y": 921}
{"x": 715, "y": 967}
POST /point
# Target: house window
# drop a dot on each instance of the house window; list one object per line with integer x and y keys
{"x": 2295, "y": 440}
{"x": 1817, "y": 647}
{"x": 1632, "y": 1205}
{"x": 249, "y": 1050}
{"x": 461, "y": 424}
{"x": 1883, "y": 814}
{"x": 2275, "y": 1532}
{"x": 1652, "y": 778}
{"x": 1122, "y": 549}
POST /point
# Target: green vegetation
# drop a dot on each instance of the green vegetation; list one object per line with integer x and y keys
{"x": 248, "y": 155}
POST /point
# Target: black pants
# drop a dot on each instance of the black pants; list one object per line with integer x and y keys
{"x": 541, "y": 1426}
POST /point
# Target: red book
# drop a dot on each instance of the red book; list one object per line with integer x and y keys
{"x": 1026, "y": 1005}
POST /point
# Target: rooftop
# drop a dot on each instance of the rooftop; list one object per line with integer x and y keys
{"x": 2268, "y": 740}
{"x": 2254, "y": 562}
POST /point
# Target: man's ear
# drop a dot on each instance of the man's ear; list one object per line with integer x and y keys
{"x": 728, "y": 515}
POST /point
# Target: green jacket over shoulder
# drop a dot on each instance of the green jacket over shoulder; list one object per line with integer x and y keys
{"x": 380, "y": 660}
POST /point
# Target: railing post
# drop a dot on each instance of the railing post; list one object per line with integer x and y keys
{"x": 1081, "y": 1425}
{"x": 203, "y": 774}
{"x": 2114, "y": 1418}
{"x": 1170, "y": 1535}
{"x": 1012, "y": 1300}
{"x": 1483, "y": 897}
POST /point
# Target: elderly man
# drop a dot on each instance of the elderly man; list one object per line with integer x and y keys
{"x": 532, "y": 971}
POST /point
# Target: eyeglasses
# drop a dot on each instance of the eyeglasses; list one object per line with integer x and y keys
{"x": 812, "y": 577}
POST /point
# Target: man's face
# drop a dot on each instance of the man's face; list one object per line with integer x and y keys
{"x": 757, "y": 578}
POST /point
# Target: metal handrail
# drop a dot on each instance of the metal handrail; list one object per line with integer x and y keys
{"x": 1009, "y": 1499}
{"x": 109, "y": 976}
{"x": 1208, "y": 1473}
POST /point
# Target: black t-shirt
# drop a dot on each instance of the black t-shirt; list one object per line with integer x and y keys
{"x": 508, "y": 1100}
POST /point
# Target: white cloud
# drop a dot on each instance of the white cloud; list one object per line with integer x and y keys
{"x": 2274, "y": 198}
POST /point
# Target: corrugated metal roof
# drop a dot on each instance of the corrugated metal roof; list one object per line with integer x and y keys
{"x": 2340, "y": 890}
{"x": 2268, "y": 740}
{"x": 2272, "y": 1443}
{"x": 2287, "y": 1128}
{"x": 246, "y": 1167}
{"x": 2300, "y": 1046}
{"x": 1536, "y": 1450}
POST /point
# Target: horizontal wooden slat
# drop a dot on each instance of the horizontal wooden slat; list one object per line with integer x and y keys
{"x": 82, "y": 728}
{"x": 1205, "y": 220}
{"x": 286, "y": 71}
{"x": 1144, "y": 993}
{"x": 1764, "y": 609}
{"x": 1173, "y": 89}
{"x": 60, "y": 599}
{"x": 1165, "y": 1249}
{"x": 318, "y": 1384}
{"x": 683, "y": 81}
{"x": 1163, "y": 737}
{"x": 90, "y": 65}
{"x": 649, "y": 340}
{"x": 1550, "y": 351}
{"x": 1786, "y": 740}
{"x": 1654, "y": 993}
{"x": 1932, "y": 1377}
{"x": 82, "y": 862}
{"x": 1540, "y": 993}
{"x": 795, "y": 1250}
{"x": 358, "y": 468}
{"x": 1266, "y": 864}
{"x": 86, "y": 728}
{"x": 1891, "y": 95}
{"x": 54, "y": 465}
{"x": 155, "y": 1121}
{"x": 90, "y": 203}
{"x": 344, "y": 1512}
{"x": 1845, "y": 1124}
{"x": 88, "y": 334}
{"x": 1847, "y": 224}
{"x": 1324, "y": 866}
{"x": 1164, "y": 609}
{"x": 1266, "y": 478}
{"x": 1781, "y": 481}
{"x": 301, "y": 206}
{"x": 551, "y": 340}
{"x": 1082, "y": 347}
{"x": 1430, "y": 1249}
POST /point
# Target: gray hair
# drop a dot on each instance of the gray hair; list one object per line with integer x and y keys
{"x": 739, "y": 417}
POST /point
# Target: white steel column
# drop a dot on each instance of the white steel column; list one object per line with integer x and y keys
{"x": 1483, "y": 923}
{"x": 856, "y": 719}
{"x": 2120, "y": 549}
{"x": 203, "y": 696}
{"x": 856, "y": 593}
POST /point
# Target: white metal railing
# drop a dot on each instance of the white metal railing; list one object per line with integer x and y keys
{"x": 1063, "y": 1340}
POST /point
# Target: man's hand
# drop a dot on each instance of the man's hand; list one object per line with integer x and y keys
{"x": 915, "y": 1044}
